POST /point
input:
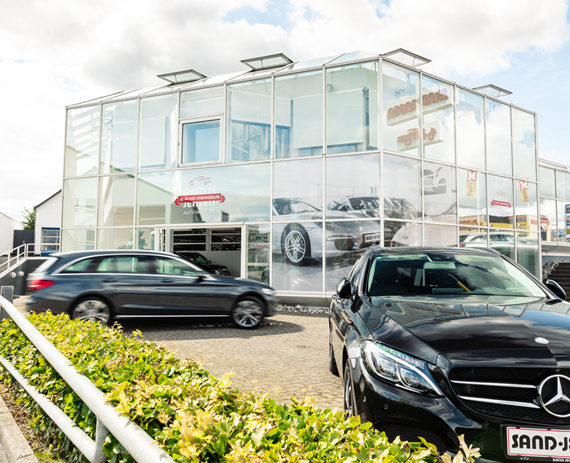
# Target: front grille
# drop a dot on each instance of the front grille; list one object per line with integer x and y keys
{"x": 509, "y": 393}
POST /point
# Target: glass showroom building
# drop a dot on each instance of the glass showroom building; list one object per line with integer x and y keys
{"x": 286, "y": 172}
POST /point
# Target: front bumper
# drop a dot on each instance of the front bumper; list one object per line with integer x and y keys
{"x": 403, "y": 413}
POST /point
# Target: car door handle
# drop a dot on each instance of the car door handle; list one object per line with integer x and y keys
{"x": 166, "y": 281}
{"x": 109, "y": 280}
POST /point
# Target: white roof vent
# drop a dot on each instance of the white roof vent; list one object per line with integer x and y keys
{"x": 406, "y": 57}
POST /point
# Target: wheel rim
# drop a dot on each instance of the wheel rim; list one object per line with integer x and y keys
{"x": 295, "y": 246}
{"x": 348, "y": 405}
{"x": 92, "y": 310}
{"x": 248, "y": 314}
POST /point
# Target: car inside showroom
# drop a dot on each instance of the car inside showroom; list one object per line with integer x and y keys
{"x": 285, "y": 172}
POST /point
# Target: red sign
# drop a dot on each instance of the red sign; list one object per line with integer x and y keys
{"x": 410, "y": 106}
{"x": 500, "y": 203}
{"x": 197, "y": 198}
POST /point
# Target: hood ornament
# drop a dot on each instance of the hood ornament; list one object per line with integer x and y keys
{"x": 541, "y": 340}
{"x": 553, "y": 395}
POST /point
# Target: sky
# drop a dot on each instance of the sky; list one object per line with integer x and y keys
{"x": 55, "y": 53}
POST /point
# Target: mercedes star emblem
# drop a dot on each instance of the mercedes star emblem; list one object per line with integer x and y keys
{"x": 556, "y": 394}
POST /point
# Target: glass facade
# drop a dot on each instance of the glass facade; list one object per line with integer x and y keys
{"x": 313, "y": 163}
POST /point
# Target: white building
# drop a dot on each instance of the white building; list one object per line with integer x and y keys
{"x": 48, "y": 223}
{"x": 7, "y": 227}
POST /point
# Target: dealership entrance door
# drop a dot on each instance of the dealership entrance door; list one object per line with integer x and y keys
{"x": 215, "y": 248}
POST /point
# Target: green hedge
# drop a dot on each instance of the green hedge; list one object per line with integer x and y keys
{"x": 192, "y": 415}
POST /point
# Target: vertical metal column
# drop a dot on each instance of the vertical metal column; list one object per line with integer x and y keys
{"x": 7, "y": 292}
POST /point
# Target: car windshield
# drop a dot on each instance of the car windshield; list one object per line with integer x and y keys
{"x": 448, "y": 272}
{"x": 364, "y": 203}
{"x": 293, "y": 207}
{"x": 200, "y": 259}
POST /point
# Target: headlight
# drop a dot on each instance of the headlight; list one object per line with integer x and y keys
{"x": 398, "y": 368}
{"x": 268, "y": 291}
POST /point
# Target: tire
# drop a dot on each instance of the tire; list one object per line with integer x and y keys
{"x": 349, "y": 402}
{"x": 296, "y": 245}
{"x": 93, "y": 309}
{"x": 248, "y": 313}
{"x": 332, "y": 362}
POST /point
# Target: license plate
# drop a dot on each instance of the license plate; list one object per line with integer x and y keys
{"x": 533, "y": 442}
{"x": 372, "y": 237}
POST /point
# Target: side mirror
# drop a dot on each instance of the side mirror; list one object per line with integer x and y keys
{"x": 556, "y": 289}
{"x": 343, "y": 289}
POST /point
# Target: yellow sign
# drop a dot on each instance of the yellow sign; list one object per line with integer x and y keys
{"x": 471, "y": 184}
{"x": 524, "y": 191}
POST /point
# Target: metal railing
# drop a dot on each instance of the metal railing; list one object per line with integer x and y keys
{"x": 21, "y": 252}
{"x": 136, "y": 441}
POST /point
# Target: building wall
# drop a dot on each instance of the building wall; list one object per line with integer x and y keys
{"x": 7, "y": 227}
{"x": 48, "y": 215}
{"x": 323, "y": 162}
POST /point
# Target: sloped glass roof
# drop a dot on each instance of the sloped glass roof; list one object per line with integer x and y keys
{"x": 352, "y": 57}
{"x": 181, "y": 77}
{"x": 267, "y": 62}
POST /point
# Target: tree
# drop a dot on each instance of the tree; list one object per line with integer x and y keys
{"x": 29, "y": 221}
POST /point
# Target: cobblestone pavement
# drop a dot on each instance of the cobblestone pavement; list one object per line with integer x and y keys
{"x": 286, "y": 356}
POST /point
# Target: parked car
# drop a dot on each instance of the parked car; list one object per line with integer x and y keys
{"x": 301, "y": 239}
{"x": 103, "y": 286}
{"x": 440, "y": 342}
{"x": 366, "y": 206}
{"x": 203, "y": 262}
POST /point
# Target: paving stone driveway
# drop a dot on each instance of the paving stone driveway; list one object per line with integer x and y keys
{"x": 286, "y": 356}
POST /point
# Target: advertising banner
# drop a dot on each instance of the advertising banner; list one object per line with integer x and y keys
{"x": 524, "y": 191}
{"x": 471, "y": 184}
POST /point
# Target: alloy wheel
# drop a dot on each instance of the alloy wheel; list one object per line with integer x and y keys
{"x": 295, "y": 246}
{"x": 247, "y": 313}
{"x": 93, "y": 310}
{"x": 348, "y": 402}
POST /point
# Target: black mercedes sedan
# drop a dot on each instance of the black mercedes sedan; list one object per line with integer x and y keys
{"x": 105, "y": 285}
{"x": 203, "y": 262}
{"x": 443, "y": 342}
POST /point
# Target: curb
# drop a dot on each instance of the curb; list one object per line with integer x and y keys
{"x": 13, "y": 445}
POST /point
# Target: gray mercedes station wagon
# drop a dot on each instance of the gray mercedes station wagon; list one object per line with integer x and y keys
{"x": 102, "y": 286}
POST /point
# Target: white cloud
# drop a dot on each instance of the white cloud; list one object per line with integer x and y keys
{"x": 57, "y": 53}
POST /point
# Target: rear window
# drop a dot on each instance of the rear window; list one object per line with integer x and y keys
{"x": 46, "y": 265}
{"x": 124, "y": 264}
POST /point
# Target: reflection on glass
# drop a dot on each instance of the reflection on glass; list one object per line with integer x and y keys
{"x": 115, "y": 238}
{"x": 145, "y": 238}
{"x": 352, "y": 108}
{"x": 249, "y": 121}
{"x": 116, "y": 200}
{"x": 82, "y": 141}
{"x": 562, "y": 185}
{"x": 158, "y": 135}
{"x": 222, "y": 194}
{"x": 79, "y": 201}
{"x": 298, "y": 112}
{"x": 440, "y": 204}
{"x": 258, "y": 246}
{"x": 353, "y": 186}
{"x": 297, "y": 252}
{"x": 473, "y": 238}
{"x": 526, "y": 205}
{"x": 440, "y": 235}
{"x": 547, "y": 183}
{"x": 402, "y": 199}
{"x": 470, "y": 130}
{"x": 119, "y": 137}
{"x": 472, "y": 194}
{"x": 438, "y": 120}
{"x": 298, "y": 189}
{"x": 77, "y": 240}
{"x": 503, "y": 241}
{"x": 344, "y": 244}
{"x": 401, "y": 93}
{"x": 548, "y": 227}
{"x": 527, "y": 252}
{"x": 524, "y": 145}
{"x": 402, "y": 233}
{"x": 563, "y": 213}
{"x": 499, "y": 153}
{"x": 202, "y": 102}
{"x": 501, "y": 210}
{"x": 201, "y": 142}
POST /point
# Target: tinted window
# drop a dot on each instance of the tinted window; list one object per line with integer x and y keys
{"x": 82, "y": 266}
{"x": 47, "y": 264}
{"x": 124, "y": 264}
{"x": 168, "y": 266}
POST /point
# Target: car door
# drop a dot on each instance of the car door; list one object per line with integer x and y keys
{"x": 186, "y": 290}
{"x": 128, "y": 280}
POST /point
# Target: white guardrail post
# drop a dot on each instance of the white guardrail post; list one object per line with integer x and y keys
{"x": 136, "y": 441}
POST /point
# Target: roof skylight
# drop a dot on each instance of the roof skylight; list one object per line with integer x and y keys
{"x": 407, "y": 57}
{"x": 267, "y": 62}
{"x": 182, "y": 76}
{"x": 493, "y": 91}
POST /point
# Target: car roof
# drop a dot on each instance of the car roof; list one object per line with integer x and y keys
{"x": 378, "y": 250}
{"x": 100, "y": 252}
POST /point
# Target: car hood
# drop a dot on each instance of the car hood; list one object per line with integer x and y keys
{"x": 468, "y": 334}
